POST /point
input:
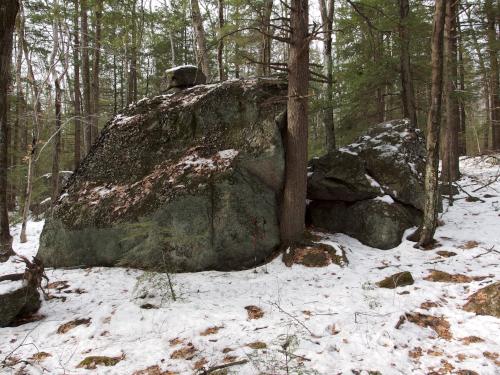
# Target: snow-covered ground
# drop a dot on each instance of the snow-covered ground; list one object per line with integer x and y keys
{"x": 327, "y": 320}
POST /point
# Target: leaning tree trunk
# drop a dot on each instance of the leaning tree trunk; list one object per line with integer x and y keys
{"x": 450, "y": 167}
{"x": 199, "y": 32}
{"x": 407, "y": 90}
{"x": 8, "y": 13}
{"x": 327, "y": 21}
{"x": 294, "y": 194}
{"x": 433, "y": 127}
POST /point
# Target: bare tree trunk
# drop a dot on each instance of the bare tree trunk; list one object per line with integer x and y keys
{"x": 450, "y": 167}
{"x": 57, "y": 143}
{"x": 494, "y": 77}
{"x": 408, "y": 92}
{"x": 327, "y": 21}
{"x": 220, "y": 45}
{"x": 462, "y": 144}
{"x": 8, "y": 12}
{"x": 264, "y": 66}
{"x": 294, "y": 194}
{"x": 132, "y": 76}
{"x": 87, "y": 107}
{"x": 484, "y": 74}
{"x": 429, "y": 221}
{"x": 20, "y": 106}
{"x": 77, "y": 102}
{"x": 199, "y": 32}
{"x": 96, "y": 71}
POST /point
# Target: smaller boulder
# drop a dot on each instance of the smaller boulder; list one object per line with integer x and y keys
{"x": 184, "y": 76}
{"x": 398, "y": 279}
{"x": 17, "y": 298}
{"x": 378, "y": 222}
{"x": 486, "y": 301}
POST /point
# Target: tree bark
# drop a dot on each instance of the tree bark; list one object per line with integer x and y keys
{"x": 8, "y": 12}
{"x": 199, "y": 32}
{"x": 96, "y": 70}
{"x": 462, "y": 139}
{"x": 132, "y": 75}
{"x": 76, "y": 84}
{"x": 491, "y": 15}
{"x": 57, "y": 143}
{"x": 450, "y": 167}
{"x": 20, "y": 106}
{"x": 407, "y": 90}
{"x": 264, "y": 66}
{"x": 87, "y": 107}
{"x": 429, "y": 220}
{"x": 220, "y": 45}
{"x": 294, "y": 194}
{"x": 327, "y": 21}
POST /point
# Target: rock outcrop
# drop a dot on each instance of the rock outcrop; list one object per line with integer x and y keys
{"x": 17, "y": 298}
{"x": 187, "y": 181}
{"x": 182, "y": 77}
{"x": 372, "y": 189}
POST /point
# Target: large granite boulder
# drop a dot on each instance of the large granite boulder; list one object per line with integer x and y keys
{"x": 373, "y": 188}
{"x": 17, "y": 298}
{"x": 187, "y": 181}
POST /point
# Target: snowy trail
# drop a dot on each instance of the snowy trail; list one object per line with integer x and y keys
{"x": 334, "y": 320}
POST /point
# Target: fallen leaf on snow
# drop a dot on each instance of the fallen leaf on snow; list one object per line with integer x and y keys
{"x": 469, "y": 245}
{"x": 211, "y": 331}
{"x": 187, "y": 352}
{"x": 444, "y": 277}
{"x": 471, "y": 340}
{"x": 72, "y": 324}
{"x": 40, "y": 356}
{"x": 153, "y": 370}
{"x": 257, "y": 345}
{"x": 439, "y": 324}
{"x": 90, "y": 363}
{"x": 254, "y": 312}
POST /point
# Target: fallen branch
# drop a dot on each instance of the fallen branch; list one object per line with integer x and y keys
{"x": 220, "y": 367}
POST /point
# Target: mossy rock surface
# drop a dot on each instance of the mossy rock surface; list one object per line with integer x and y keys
{"x": 188, "y": 181}
{"x": 398, "y": 279}
{"x": 18, "y": 302}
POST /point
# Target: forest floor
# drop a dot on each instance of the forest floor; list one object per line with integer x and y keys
{"x": 278, "y": 320}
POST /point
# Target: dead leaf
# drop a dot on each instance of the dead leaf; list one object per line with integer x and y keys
{"x": 257, "y": 345}
{"x": 40, "y": 356}
{"x": 200, "y": 364}
{"x": 415, "y": 353}
{"x": 469, "y": 245}
{"x": 254, "y": 312}
{"x": 428, "y": 305}
{"x": 211, "y": 331}
{"x": 471, "y": 340}
{"x": 444, "y": 277}
{"x": 90, "y": 363}
{"x": 492, "y": 356}
{"x": 175, "y": 341}
{"x": 229, "y": 358}
{"x": 58, "y": 285}
{"x": 439, "y": 324}
{"x": 153, "y": 370}
{"x": 72, "y": 324}
{"x": 445, "y": 253}
{"x": 187, "y": 352}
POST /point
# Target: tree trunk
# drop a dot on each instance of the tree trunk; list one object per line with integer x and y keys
{"x": 294, "y": 194}
{"x": 450, "y": 167}
{"x": 95, "y": 71}
{"x": 20, "y": 106}
{"x": 132, "y": 76}
{"x": 264, "y": 66}
{"x": 407, "y": 90}
{"x": 327, "y": 21}
{"x": 494, "y": 77}
{"x": 199, "y": 32}
{"x": 87, "y": 107}
{"x": 462, "y": 139}
{"x": 220, "y": 45}
{"x": 8, "y": 12}
{"x": 76, "y": 83}
{"x": 57, "y": 143}
{"x": 429, "y": 220}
